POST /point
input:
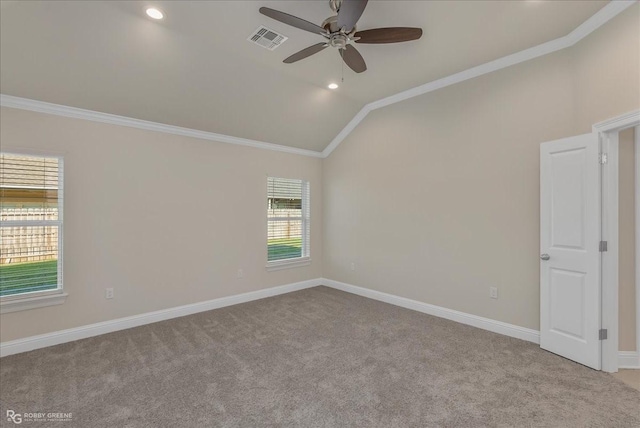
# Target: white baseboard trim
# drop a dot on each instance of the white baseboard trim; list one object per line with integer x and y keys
{"x": 438, "y": 311}
{"x": 55, "y": 338}
{"x": 629, "y": 360}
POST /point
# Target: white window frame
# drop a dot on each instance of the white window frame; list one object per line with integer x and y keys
{"x": 38, "y": 299}
{"x": 305, "y": 259}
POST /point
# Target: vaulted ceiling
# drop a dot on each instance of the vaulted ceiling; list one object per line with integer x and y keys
{"x": 196, "y": 69}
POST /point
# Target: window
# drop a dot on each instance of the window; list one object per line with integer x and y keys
{"x": 30, "y": 231}
{"x": 288, "y": 226}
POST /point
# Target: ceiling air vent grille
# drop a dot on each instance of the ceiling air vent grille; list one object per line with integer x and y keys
{"x": 267, "y": 38}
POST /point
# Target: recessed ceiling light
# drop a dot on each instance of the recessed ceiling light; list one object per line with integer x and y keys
{"x": 154, "y": 13}
{"x": 332, "y": 86}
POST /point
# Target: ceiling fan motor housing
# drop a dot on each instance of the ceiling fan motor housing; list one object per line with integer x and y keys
{"x": 331, "y": 25}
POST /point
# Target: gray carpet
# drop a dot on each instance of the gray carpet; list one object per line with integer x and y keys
{"x": 317, "y": 357}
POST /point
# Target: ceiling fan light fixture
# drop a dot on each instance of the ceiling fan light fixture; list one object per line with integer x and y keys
{"x": 340, "y": 30}
{"x": 154, "y": 13}
{"x": 332, "y": 86}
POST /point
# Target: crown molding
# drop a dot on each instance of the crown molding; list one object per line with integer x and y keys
{"x": 112, "y": 119}
{"x": 346, "y": 130}
{"x": 601, "y": 17}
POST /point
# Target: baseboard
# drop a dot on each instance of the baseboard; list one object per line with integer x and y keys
{"x": 629, "y": 360}
{"x": 55, "y": 338}
{"x": 438, "y": 311}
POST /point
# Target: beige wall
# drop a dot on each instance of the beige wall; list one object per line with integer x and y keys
{"x": 437, "y": 198}
{"x": 434, "y": 198}
{"x": 165, "y": 220}
{"x": 627, "y": 243}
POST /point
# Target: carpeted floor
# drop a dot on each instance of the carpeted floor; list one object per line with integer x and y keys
{"x": 317, "y": 357}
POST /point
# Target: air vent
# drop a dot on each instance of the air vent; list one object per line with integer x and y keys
{"x": 267, "y": 38}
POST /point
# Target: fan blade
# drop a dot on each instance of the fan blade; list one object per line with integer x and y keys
{"x": 349, "y": 13}
{"x": 353, "y": 59}
{"x": 305, "y": 53}
{"x": 294, "y": 21}
{"x": 389, "y": 35}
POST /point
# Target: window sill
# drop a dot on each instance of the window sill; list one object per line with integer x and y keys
{"x": 31, "y": 301}
{"x": 288, "y": 264}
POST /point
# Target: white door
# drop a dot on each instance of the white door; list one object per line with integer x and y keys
{"x": 569, "y": 248}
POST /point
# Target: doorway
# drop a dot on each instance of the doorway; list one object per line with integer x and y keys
{"x": 616, "y": 230}
{"x": 580, "y": 245}
{"x": 627, "y": 265}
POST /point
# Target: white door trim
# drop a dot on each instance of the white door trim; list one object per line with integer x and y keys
{"x": 608, "y": 132}
{"x": 637, "y": 189}
{"x": 609, "y": 233}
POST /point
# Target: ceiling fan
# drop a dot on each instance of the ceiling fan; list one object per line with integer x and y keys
{"x": 340, "y": 31}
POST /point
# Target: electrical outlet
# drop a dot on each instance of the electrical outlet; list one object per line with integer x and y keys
{"x": 493, "y": 292}
{"x": 240, "y": 273}
{"x": 353, "y": 266}
{"x": 108, "y": 293}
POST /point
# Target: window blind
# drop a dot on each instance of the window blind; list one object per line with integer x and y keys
{"x": 30, "y": 223}
{"x": 288, "y": 221}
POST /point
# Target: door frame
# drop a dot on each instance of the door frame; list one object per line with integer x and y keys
{"x": 637, "y": 189}
{"x": 609, "y": 144}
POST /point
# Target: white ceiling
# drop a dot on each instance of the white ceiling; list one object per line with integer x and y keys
{"x": 196, "y": 69}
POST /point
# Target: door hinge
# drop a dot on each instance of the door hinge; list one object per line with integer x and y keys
{"x": 602, "y": 334}
{"x": 603, "y": 158}
{"x": 604, "y": 246}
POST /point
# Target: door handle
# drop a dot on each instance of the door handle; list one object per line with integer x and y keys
{"x": 545, "y": 256}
